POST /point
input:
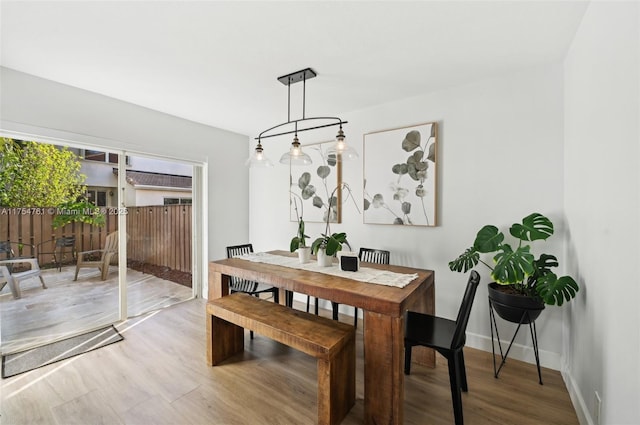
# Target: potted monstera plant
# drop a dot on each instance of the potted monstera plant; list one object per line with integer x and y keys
{"x": 521, "y": 281}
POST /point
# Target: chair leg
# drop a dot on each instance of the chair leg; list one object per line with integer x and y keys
{"x": 456, "y": 394}
{"x": 355, "y": 317}
{"x": 42, "y": 282}
{"x": 308, "y": 302}
{"x": 316, "y": 306}
{"x": 276, "y": 296}
{"x": 407, "y": 358}
{"x": 14, "y": 286}
{"x": 462, "y": 371}
{"x": 334, "y": 307}
{"x": 77, "y": 270}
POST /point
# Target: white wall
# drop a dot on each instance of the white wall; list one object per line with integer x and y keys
{"x": 36, "y": 106}
{"x": 500, "y": 157}
{"x": 602, "y": 211}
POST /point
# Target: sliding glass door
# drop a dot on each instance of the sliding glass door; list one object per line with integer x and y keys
{"x": 57, "y": 275}
{"x": 90, "y": 237}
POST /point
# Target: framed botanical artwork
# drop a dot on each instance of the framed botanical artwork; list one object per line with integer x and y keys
{"x": 311, "y": 186}
{"x": 400, "y": 170}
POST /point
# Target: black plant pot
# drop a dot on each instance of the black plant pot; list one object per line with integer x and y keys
{"x": 512, "y": 307}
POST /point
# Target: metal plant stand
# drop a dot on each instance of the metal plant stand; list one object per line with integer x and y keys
{"x": 525, "y": 318}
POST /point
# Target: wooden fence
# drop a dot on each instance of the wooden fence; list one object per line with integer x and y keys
{"x": 157, "y": 235}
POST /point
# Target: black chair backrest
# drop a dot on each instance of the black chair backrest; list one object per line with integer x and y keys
{"x": 235, "y": 283}
{"x": 66, "y": 241}
{"x": 239, "y": 250}
{"x": 377, "y": 256}
{"x": 465, "y": 310}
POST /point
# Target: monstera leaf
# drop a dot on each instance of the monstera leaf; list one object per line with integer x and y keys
{"x": 512, "y": 266}
{"x": 554, "y": 290}
{"x": 542, "y": 266}
{"x": 466, "y": 261}
{"x": 534, "y": 227}
{"x": 488, "y": 239}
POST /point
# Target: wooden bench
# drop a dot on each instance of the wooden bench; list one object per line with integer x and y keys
{"x": 331, "y": 342}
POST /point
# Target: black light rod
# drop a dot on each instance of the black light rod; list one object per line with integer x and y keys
{"x": 261, "y": 136}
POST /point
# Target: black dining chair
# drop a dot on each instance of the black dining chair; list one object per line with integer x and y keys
{"x": 237, "y": 284}
{"x": 369, "y": 255}
{"x": 445, "y": 336}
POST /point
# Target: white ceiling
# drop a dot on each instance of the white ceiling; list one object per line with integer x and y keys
{"x": 217, "y": 62}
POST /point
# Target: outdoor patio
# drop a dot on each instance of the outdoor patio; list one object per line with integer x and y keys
{"x": 67, "y": 307}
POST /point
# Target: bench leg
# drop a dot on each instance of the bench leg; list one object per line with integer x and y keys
{"x": 337, "y": 385}
{"x": 224, "y": 339}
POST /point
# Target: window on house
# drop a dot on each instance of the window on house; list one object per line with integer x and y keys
{"x": 97, "y": 197}
{"x": 90, "y": 155}
{"x": 177, "y": 201}
{"x": 99, "y": 156}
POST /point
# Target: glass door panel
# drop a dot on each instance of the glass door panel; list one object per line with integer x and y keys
{"x": 158, "y": 199}
{"x": 55, "y": 279}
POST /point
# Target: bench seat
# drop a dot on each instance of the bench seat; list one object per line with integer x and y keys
{"x": 332, "y": 343}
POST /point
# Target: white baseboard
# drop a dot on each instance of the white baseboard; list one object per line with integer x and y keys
{"x": 579, "y": 404}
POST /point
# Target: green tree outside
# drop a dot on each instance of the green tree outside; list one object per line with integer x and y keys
{"x": 38, "y": 174}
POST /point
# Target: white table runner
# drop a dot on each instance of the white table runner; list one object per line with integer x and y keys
{"x": 364, "y": 274}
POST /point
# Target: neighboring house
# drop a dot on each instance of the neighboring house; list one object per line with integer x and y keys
{"x": 150, "y": 181}
{"x": 151, "y": 188}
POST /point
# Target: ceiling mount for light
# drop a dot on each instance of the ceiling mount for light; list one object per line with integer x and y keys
{"x": 295, "y": 156}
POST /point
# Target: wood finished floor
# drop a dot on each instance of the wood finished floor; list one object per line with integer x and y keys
{"x": 67, "y": 307}
{"x": 158, "y": 375}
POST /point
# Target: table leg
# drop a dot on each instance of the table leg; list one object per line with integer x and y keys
{"x": 424, "y": 304}
{"x": 223, "y": 339}
{"x": 218, "y": 285}
{"x": 383, "y": 373}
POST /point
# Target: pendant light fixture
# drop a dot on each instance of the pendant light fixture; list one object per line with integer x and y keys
{"x": 295, "y": 155}
{"x": 258, "y": 159}
{"x": 340, "y": 150}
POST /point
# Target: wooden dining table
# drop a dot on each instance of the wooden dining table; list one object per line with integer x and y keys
{"x": 383, "y": 307}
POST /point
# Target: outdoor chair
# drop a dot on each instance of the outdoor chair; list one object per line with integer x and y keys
{"x": 446, "y": 337}
{"x": 58, "y": 249}
{"x": 247, "y": 286}
{"x": 107, "y": 256}
{"x": 11, "y": 274}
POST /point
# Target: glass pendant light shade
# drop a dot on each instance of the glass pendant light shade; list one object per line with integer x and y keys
{"x": 295, "y": 156}
{"x": 258, "y": 159}
{"x": 340, "y": 150}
